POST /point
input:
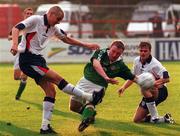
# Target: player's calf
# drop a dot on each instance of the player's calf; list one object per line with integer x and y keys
{"x": 88, "y": 117}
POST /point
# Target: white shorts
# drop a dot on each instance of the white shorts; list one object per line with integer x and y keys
{"x": 16, "y": 61}
{"x": 86, "y": 86}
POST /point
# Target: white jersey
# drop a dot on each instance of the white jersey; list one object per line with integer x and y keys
{"x": 37, "y": 32}
{"x": 153, "y": 66}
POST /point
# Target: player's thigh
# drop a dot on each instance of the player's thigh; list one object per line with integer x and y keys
{"x": 147, "y": 94}
{"x": 48, "y": 88}
{"x": 53, "y": 76}
{"x": 75, "y": 104}
{"x": 140, "y": 114}
{"x": 155, "y": 93}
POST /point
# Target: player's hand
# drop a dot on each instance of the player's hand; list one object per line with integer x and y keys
{"x": 112, "y": 80}
{"x": 158, "y": 84}
{"x": 93, "y": 46}
{"x": 121, "y": 91}
{"x": 13, "y": 50}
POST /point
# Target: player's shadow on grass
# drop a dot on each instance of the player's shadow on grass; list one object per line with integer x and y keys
{"x": 175, "y": 127}
{"x": 7, "y": 129}
{"x": 131, "y": 128}
{"x": 55, "y": 111}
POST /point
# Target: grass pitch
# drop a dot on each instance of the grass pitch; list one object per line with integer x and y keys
{"x": 114, "y": 118}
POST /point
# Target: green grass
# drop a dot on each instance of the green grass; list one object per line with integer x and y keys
{"x": 114, "y": 116}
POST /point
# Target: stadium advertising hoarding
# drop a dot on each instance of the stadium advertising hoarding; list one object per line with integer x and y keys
{"x": 167, "y": 50}
{"x": 58, "y": 52}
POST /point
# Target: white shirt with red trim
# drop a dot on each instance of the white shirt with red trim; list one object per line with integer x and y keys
{"x": 154, "y": 67}
{"x": 36, "y": 33}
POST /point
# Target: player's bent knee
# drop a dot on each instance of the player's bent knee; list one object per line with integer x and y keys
{"x": 17, "y": 78}
{"x": 24, "y": 77}
{"x": 75, "y": 106}
{"x": 136, "y": 120}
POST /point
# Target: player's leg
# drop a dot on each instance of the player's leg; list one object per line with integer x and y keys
{"x": 48, "y": 106}
{"x": 22, "y": 85}
{"x": 18, "y": 76}
{"x": 88, "y": 116}
{"x": 89, "y": 112}
{"x": 159, "y": 97}
{"x": 150, "y": 103}
{"x": 162, "y": 95}
{"x": 17, "y": 71}
{"x": 140, "y": 114}
{"x": 76, "y": 104}
{"x": 68, "y": 88}
{"x": 85, "y": 108}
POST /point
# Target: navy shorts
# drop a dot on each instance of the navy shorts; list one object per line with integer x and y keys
{"x": 163, "y": 93}
{"x": 33, "y": 65}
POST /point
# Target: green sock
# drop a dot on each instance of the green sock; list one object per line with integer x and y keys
{"x": 22, "y": 85}
{"x": 88, "y": 112}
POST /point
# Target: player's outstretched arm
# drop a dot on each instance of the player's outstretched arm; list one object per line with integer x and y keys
{"x": 73, "y": 41}
{"x": 97, "y": 66}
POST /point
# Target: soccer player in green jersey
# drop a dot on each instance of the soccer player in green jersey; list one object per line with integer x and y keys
{"x": 104, "y": 66}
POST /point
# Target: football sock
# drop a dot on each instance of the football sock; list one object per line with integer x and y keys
{"x": 89, "y": 111}
{"x": 21, "y": 88}
{"x": 72, "y": 90}
{"x": 160, "y": 120}
{"x": 48, "y": 106}
{"x": 148, "y": 119}
{"x": 152, "y": 107}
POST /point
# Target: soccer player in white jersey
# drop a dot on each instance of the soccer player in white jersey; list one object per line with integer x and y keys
{"x": 18, "y": 74}
{"x": 37, "y": 30}
{"x": 151, "y": 97}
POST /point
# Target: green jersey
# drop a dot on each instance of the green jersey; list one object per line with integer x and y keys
{"x": 115, "y": 69}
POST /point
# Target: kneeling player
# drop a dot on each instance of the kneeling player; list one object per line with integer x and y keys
{"x": 151, "y": 97}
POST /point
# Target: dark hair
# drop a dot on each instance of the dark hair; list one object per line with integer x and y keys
{"x": 145, "y": 44}
{"x": 118, "y": 44}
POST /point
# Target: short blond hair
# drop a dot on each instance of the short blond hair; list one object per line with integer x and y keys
{"x": 27, "y": 9}
{"x": 57, "y": 11}
{"x": 119, "y": 44}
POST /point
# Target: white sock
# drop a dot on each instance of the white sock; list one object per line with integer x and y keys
{"x": 161, "y": 119}
{"x": 47, "y": 114}
{"x": 72, "y": 90}
{"x": 152, "y": 109}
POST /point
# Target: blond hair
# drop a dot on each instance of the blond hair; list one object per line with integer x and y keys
{"x": 57, "y": 11}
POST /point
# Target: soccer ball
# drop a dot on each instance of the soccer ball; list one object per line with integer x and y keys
{"x": 146, "y": 80}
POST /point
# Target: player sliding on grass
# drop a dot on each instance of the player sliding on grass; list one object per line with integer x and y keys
{"x": 151, "y": 97}
{"x": 103, "y": 67}
{"x": 37, "y": 30}
{"x": 18, "y": 74}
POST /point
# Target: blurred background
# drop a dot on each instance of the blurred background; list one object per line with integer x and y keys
{"x": 102, "y": 21}
{"x": 102, "y": 18}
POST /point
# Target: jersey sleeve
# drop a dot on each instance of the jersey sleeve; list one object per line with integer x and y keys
{"x": 59, "y": 33}
{"x": 125, "y": 72}
{"x": 98, "y": 54}
{"x": 160, "y": 71}
{"x": 31, "y": 21}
